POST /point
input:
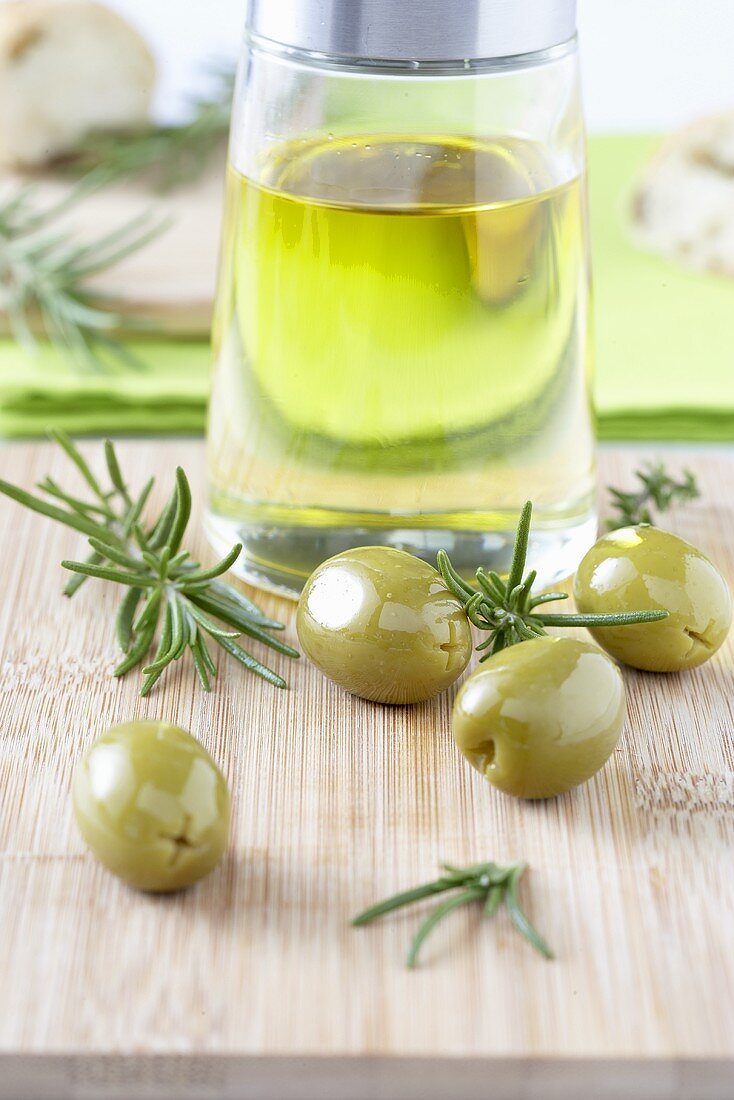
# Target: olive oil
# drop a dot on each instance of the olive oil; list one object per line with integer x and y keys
{"x": 401, "y": 355}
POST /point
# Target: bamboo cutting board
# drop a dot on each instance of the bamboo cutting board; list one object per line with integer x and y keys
{"x": 253, "y": 985}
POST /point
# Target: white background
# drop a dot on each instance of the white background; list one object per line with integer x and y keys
{"x": 648, "y": 64}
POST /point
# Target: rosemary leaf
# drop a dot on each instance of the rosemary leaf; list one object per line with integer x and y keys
{"x": 407, "y": 897}
{"x": 167, "y": 156}
{"x": 125, "y": 617}
{"x": 137, "y": 651}
{"x": 251, "y": 663}
{"x": 182, "y": 514}
{"x": 519, "y": 918}
{"x": 69, "y": 518}
{"x": 197, "y": 576}
{"x": 182, "y": 601}
{"x": 107, "y": 573}
{"x": 487, "y": 883}
{"x": 43, "y": 272}
{"x": 74, "y": 583}
{"x": 657, "y": 489}
{"x": 240, "y": 622}
{"x": 113, "y": 467}
{"x": 506, "y": 611}
{"x": 474, "y": 893}
{"x": 202, "y": 669}
{"x": 234, "y": 598}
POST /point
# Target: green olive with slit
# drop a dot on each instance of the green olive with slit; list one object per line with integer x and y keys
{"x": 382, "y": 624}
{"x": 540, "y": 717}
{"x": 643, "y": 567}
{"x": 152, "y": 805}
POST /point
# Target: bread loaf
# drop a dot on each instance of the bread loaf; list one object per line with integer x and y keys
{"x": 67, "y": 67}
{"x": 683, "y": 206}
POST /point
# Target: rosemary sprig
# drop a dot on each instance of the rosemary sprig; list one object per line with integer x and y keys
{"x": 168, "y": 155}
{"x": 487, "y": 883}
{"x": 168, "y": 595}
{"x": 658, "y": 489}
{"x": 508, "y": 610}
{"x": 44, "y": 271}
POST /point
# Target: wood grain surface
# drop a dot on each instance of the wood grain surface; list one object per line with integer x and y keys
{"x": 253, "y": 984}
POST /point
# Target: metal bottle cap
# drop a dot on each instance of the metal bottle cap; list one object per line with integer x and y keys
{"x": 414, "y": 30}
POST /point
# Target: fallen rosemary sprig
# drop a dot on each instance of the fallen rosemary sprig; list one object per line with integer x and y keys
{"x": 658, "y": 488}
{"x": 168, "y": 594}
{"x": 168, "y": 156}
{"x": 484, "y": 882}
{"x": 44, "y": 272}
{"x": 508, "y": 609}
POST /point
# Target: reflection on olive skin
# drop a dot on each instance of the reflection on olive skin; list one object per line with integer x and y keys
{"x": 613, "y": 574}
{"x": 152, "y": 805}
{"x": 383, "y": 625}
{"x": 337, "y": 597}
{"x": 540, "y": 717}
{"x": 644, "y": 568}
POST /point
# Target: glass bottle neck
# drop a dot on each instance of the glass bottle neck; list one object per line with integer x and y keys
{"x": 412, "y": 68}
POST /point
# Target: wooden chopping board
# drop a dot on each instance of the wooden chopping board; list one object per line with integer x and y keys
{"x": 253, "y": 984}
{"x": 169, "y": 283}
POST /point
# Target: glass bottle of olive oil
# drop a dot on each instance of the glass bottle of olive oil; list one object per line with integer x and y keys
{"x": 401, "y": 350}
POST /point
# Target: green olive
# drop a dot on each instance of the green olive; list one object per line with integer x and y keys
{"x": 383, "y": 625}
{"x": 540, "y": 717}
{"x": 643, "y": 567}
{"x": 152, "y": 805}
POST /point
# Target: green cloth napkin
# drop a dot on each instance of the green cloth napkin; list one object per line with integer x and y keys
{"x": 664, "y": 347}
{"x": 40, "y": 391}
{"x": 664, "y": 335}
